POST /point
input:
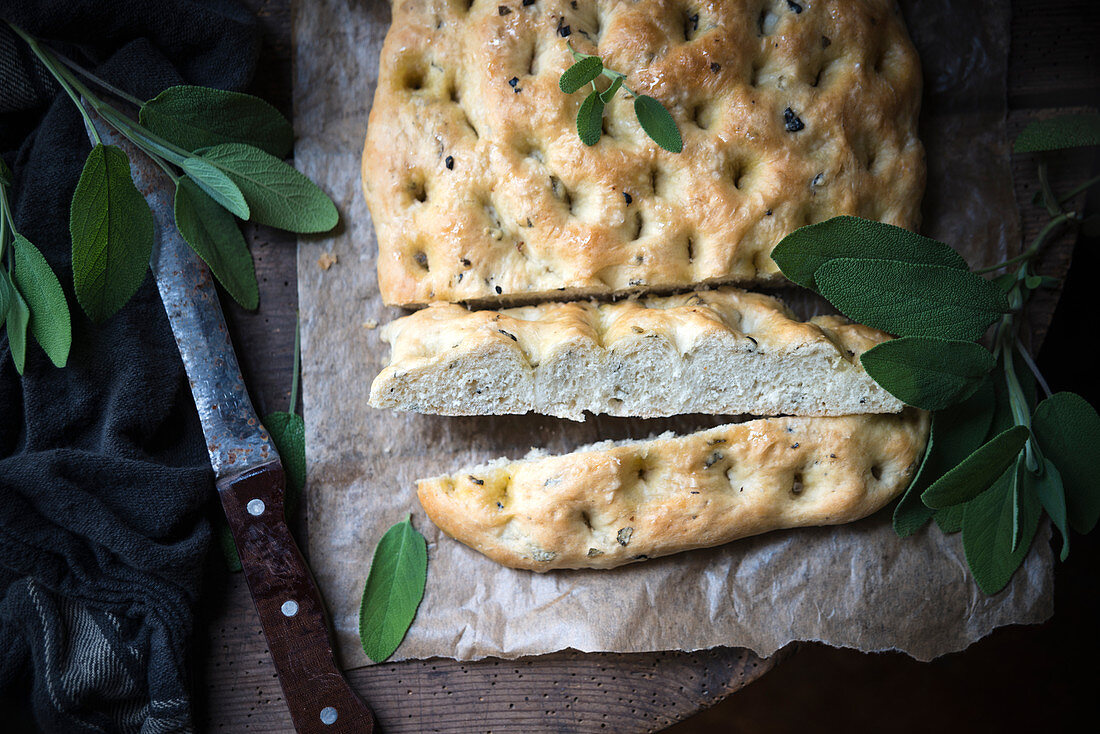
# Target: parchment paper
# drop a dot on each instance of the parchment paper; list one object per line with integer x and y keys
{"x": 856, "y": 585}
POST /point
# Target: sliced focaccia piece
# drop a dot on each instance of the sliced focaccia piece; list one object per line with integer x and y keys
{"x": 481, "y": 190}
{"x": 614, "y": 503}
{"x": 724, "y": 352}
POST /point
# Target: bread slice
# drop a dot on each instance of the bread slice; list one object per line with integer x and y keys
{"x": 614, "y": 503}
{"x": 720, "y": 352}
{"x": 481, "y": 191}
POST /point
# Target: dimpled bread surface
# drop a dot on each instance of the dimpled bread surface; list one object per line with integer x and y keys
{"x": 481, "y": 191}
{"x": 615, "y": 503}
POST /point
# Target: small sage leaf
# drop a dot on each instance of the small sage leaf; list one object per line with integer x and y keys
{"x": 1057, "y": 133}
{"x": 6, "y": 288}
{"x": 956, "y": 432}
{"x": 49, "y": 311}
{"x": 199, "y": 117}
{"x": 288, "y": 432}
{"x": 590, "y": 119}
{"x": 912, "y": 300}
{"x": 658, "y": 123}
{"x": 112, "y": 233}
{"x": 5, "y": 174}
{"x": 989, "y": 522}
{"x": 609, "y": 94}
{"x": 978, "y": 471}
{"x": 393, "y": 590}
{"x": 213, "y": 233}
{"x": 803, "y": 251}
{"x": 1068, "y": 431}
{"x": 217, "y": 185}
{"x": 18, "y": 318}
{"x": 1052, "y": 496}
{"x": 926, "y": 372}
{"x": 277, "y": 194}
{"x": 580, "y": 73}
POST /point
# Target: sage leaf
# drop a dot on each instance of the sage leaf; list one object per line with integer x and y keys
{"x": 49, "y": 311}
{"x": 978, "y": 471}
{"x": 926, "y": 372}
{"x": 609, "y": 94}
{"x": 213, "y": 233}
{"x": 658, "y": 123}
{"x": 112, "y": 232}
{"x": 590, "y": 119}
{"x": 5, "y": 174}
{"x": 199, "y": 117}
{"x": 288, "y": 433}
{"x": 217, "y": 186}
{"x": 1068, "y": 431}
{"x": 277, "y": 194}
{"x": 988, "y": 529}
{"x": 912, "y": 300}
{"x": 580, "y": 73}
{"x": 1052, "y": 496}
{"x": 950, "y": 519}
{"x": 5, "y": 296}
{"x": 393, "y": 590}
{"x": 956, "y": 433}
{"x": 1057, "y": 133}
{"x": 18, "y": 318}
{"x": 803, "y": 251}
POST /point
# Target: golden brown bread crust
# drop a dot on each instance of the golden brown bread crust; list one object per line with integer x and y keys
{"x": 724, "y": 351}
{"x": 613, "y": 504}
{"x": 480, "y": 189}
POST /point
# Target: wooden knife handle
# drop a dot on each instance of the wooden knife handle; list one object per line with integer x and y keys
{"x": 290, "y": 607}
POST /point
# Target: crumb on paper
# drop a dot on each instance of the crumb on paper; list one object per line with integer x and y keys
{"x": 370, "y": 324}
{"x": 327, "y": 260}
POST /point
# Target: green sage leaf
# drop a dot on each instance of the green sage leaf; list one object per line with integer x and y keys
{"x": 978, "y": 471}
{"x": 5, "y": 296}
{"x": 580, "y": 73}
{"x": 112, "y": 232}
{"x": 956, "y": 433}
{"x": 912, "y": 300}
{"x": 288, "y": 432}
{"x": 609, "y": 94}
{"x": 393, "y": 590}
{"x": 5, "y": 174}
{"x": 658, "y": 123}
{"x": 217, "y": 186}
{"x": 950, "y": 519}
{"x": 803, "y": 251}
{"x": 277, "y": 194}
{"x": 1068, "y": 431}
{"x": 199, "y": 117}
{"x": 1057, "y": 133}
{"x": 19, "y": 317}
{"x": 49, "y": 311}
{"x": 989, "y": 522}
{"x": 1052, "y": 496}
{"x": 214, "y": 235}
{"x": 928, "y": 373}
{"x": 590, "y": 119}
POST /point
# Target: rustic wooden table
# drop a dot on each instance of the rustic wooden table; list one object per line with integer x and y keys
{"x": 1053, "y": 66}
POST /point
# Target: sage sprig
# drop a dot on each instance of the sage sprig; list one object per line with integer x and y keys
{"x": 997, "y": 458}
{"x": 221, "y": 149}
{"x": 654, "y": 117}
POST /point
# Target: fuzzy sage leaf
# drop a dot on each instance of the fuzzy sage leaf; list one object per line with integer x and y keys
{"x": 6, "y": 288}
{"x": 803, "y": 251}
{"x": 658, "y": 123}
{"x": 18, "y": 318}
{"x": 112, "y": 233}
{"x": 1052, "y": 496}
{"x": 926, "y": 372}
{"x": 49, "y": 311}
{"x": 909, "y": 299}
{"x": 1058, "y": 133}
{"x": 990, "y": 522}
{"x": 1068, "y": 431}
{"x": 199, "y": 117}
{"x": 609, "y": 94}
{"x": 394, "y": 588}
{"x": 590, "y": 119}
{"x": 213, "y": 233}
{"x": 978, "y": 471}
{"x": 583, "y": 72}
{"x": 277, "y": 194}
{"x": 217, "y": 185}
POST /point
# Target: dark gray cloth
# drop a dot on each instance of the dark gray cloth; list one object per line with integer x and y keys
{"x": 103, "y": 472}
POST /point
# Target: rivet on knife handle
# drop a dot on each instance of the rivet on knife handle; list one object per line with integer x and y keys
{"x": 248, "y": 472}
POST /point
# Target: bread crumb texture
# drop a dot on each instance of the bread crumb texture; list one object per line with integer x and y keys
{"x": 725, "y": 352}
{"x": 615, "y": 503}
{"x": 481, "y": 191}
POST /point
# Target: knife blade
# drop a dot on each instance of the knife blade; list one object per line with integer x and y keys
{"x": 248, "y": 473}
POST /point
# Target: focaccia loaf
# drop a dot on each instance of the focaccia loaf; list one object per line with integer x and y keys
{"x": 614, "y": 503}
{"x": 480, "y": 189}
{"x": 719, "y": 352}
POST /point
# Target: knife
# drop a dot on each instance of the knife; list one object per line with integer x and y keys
{"x": 248, "y": 473}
